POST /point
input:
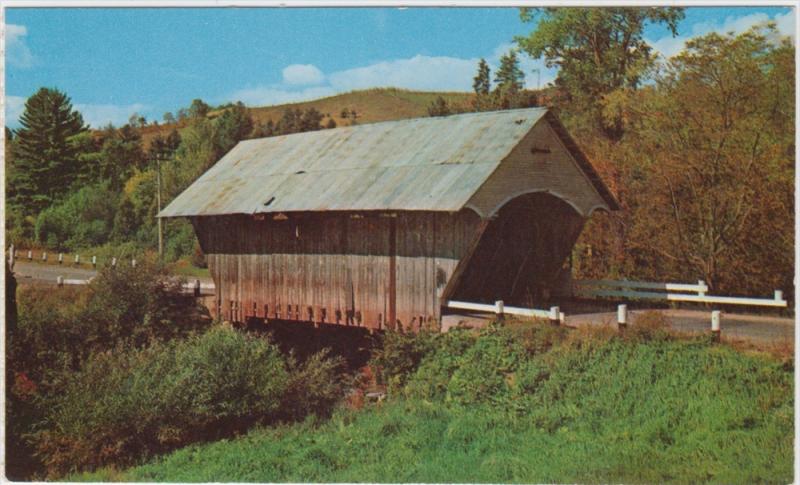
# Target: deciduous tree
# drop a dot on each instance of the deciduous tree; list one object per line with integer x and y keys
{"x": 596, "y": 50}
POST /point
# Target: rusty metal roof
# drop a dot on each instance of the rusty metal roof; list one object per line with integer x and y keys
{"x": 433, "y": 164}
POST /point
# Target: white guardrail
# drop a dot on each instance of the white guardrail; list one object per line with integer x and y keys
{"x": 628, "y": 289}
{"x": 499, "y": 308}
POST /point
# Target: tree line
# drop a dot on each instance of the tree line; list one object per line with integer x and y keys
{"x": 69, "y": 187}
{"x": 698, "y": 148}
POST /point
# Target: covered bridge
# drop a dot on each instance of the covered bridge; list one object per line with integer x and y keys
{"x": 377, "y": 225}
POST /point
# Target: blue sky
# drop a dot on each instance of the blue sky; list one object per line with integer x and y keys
{"x": 114, "y": 62}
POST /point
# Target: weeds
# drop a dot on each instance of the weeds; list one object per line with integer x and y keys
{"x": 511, "y": 404}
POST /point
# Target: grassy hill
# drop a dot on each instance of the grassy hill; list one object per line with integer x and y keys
{"x": 371, "y": 105}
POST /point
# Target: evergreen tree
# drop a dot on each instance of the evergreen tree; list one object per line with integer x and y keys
{"x": 163, "y": 147}
{"x": 45, "y": 158}
{"x": 481, "y": 83}
{"x": 233, "y": 125}
{"x": 121, "y": 154}
{"x": 509, "y": 77}
{"x": 199, "y": 109}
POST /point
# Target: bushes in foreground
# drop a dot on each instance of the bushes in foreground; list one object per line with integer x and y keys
{"x": 125, "y": 406}
{"x": 123, "y": 306}
{"x": 551, "y": 407}
{"x": 59, "y": 329}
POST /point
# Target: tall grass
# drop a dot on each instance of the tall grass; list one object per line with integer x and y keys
{"x": 503, "y": 407}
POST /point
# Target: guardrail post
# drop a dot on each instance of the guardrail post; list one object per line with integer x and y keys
{"x": 60, "y": 281}
{"x": 30, "y": 255}
{"x": 197, "y": 289}
{"x": 133, "y": 263}
{"x": 554, "y": 315}
{"x": 499, "y": 308}
{"x": 715, "y": 325}
{"x": 622, "y": 317}
{"x": 94, "y": 261}
{"x": 60, "y": 258}
{"x": 44, "y": 256}
{"x": 702, "y": 292}
{"x": 778, "y": 295}
{"x": 77, "y": 259}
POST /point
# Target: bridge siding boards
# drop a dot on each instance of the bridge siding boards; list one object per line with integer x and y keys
{"x": 378, "y": 223}
{"x": 348, "y": 273}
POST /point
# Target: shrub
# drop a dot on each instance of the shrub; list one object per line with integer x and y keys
{"x": 19, "y": 228}
{"x": 141, "y": 305}
{"x": 648, "y": 326}
{"x": 59, "y": 329}
{"x": 179, "y": 240}
{"x": 486, "y": 372}
{"x": 314, "y": 386}
{"x": 537, "y": 337}
{"x": 398, "y": 355}
{"x": 437, "y": 367}
{"x": 85, "y": 218}
{"x": 126, "y": 405}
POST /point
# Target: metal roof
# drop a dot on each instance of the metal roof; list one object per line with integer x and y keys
{"x": 434, "y": 164}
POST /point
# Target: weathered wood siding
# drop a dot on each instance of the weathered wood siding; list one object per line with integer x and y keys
{"x": 381, "y": 270}
{"x": 335, "y": 267}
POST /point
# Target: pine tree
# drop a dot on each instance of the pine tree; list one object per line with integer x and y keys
{"x": 481, "y": 83}
{"x": 45, "y": 158}
{"x": 509, "y": 77}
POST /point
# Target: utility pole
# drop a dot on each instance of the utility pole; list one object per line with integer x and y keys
{"x": 158, "y": 200}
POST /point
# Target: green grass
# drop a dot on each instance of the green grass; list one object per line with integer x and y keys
{"x": 184, "y": 267}
{"x": 592, "y": 409}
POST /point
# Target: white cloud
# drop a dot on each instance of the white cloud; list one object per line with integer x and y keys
{"x": 669, "y": 46}
{"x": 302, "y": 74}
{"x": 14, "y": 106}
{"x": 100, "y": 115}
{"x": 419, "y": 72}
{"x": 17, "y": 52}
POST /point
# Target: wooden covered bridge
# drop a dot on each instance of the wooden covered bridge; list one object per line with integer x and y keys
{"x": 377, "y": 225}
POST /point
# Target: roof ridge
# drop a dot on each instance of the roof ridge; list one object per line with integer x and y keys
{"x": 402, "y": 120}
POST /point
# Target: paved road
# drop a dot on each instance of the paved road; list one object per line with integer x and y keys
{"x": 48, "y": 273}
{"x": 758, "y": 328}
{"x": 25, "y": 271}
{"x": 754, "y": 328}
